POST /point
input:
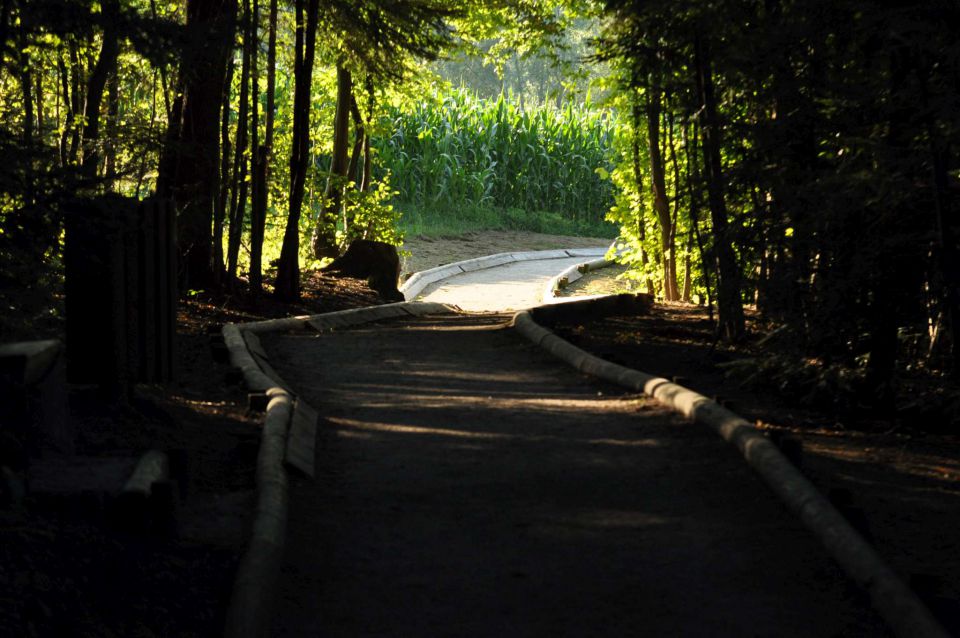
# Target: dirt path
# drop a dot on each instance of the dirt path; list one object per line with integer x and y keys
{"x": 508, "y": 287}
{"x": 469, "y": 485}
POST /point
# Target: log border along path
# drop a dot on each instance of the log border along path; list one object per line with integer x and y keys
{"x": 252, "y": 604}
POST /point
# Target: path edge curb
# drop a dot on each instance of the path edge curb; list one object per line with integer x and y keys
{"x": 251, "y": 599}
{"x": 420, "y": 280}
{"x": 572, "y": 274}
{"x": 893, "y": 600}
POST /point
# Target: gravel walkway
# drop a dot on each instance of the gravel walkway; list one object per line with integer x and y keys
{"x": 470, "y": 485}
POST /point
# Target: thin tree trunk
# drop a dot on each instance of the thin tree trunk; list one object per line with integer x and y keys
{"x": 661, "y": 206}
{"x": 266, "y": 153}
{"x": 168, "y": 109}
{"x": 288, "y": 270}
{"x": 141, "y": 173}
{"x": 223, "y": 196}
{"x": 105, "y": 66}
{"x": 949, "y": 258}
{"x": 76, "y": 99}
{"x": 26, "y": 84}
{"x": 190, "y": 170}
{"x": 113, "y": 125}
{"x": 638, "y": 180}
{"x": 693, "y": 180}
{"x": 359, "y": 144}
{"x": 367, "y": 157}
{"x": 39, "y": 97}
{"x": 258, "y": 207}
{"x": 64, "y": 88}
{"x": 729, "y": 304}
{"x": 358, "y": 137}
{"x": 677, "y": 186}
{"x": 324, "y": 240}
{"x": 240, "y": 158}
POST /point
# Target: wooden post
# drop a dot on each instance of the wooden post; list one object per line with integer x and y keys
{"x": 159, "y": 214}
{"x": 95, "y": 293}
{"x": 146, "y": 277}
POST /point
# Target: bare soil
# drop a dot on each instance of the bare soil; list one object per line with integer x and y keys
{"x": 896, "y": 481}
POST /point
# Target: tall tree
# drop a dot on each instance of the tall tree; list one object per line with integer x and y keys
{"x": 324, "y": 239}
{"x": 654, "y": 97}
{"x": 241, "y": 159}
{"x": 190, "y": 170}
{"x": 287, "y": 286}
{"x": 105, "y": 67}
{"x": 258, "y": 212}
{"x": 729, "y": 303}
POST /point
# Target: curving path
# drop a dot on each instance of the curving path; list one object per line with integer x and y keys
{"x": 470, "y": 485}
{"x": 511, "y": 286}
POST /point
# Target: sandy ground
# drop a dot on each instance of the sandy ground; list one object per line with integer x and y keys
{"x": 428, "y": 253}
{"x": 470, "y": 485}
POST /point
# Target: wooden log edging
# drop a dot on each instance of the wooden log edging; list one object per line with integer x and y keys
{"x": 251, "y": 601}
{"x": 572, "y": 274}
{"x": 896, "y": 603}
{"x": 420, "y": 280}
{"x": 285, "y": 441}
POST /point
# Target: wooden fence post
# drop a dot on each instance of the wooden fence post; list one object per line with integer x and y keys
{"x": 121, "y": 292}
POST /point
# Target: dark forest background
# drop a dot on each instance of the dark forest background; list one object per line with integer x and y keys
{"x": 793, "y": 161}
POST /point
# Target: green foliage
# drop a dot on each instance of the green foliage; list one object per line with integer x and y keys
{"x": 453, "y": 149}
{"x": 368, "y": 214}
{"x": 441, "y": 222}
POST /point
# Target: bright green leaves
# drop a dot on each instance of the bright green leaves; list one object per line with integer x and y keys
{"x": 453, "y": 148}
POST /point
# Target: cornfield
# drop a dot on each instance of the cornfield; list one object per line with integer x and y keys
{"x": 456, "y": 149}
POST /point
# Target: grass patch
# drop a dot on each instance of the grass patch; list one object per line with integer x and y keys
{"x": 434, "y": 222}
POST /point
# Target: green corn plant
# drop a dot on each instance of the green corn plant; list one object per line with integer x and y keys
{"x": 453, "y": 149}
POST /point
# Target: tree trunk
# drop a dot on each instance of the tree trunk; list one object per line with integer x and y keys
{"x": 677, "y": 182}
{"x": 76, "y": 99}
{"x": 658, "y": 182}
{"x": 39, "y": 98}
{"x": 638, "y": 180}
{"x": 258, "y": 207}
{"x": 358, "y": 136}
{"x": 106, "y": 65}
{"x": 693, "y": 181}
{"x": 26, "y": 84}
{"x": 367, "y": 158}
{"x": 359, "y": 146}
{"x": 223, "y": 196}
{"x": 729, "y": 304}
{"x": 287, "y": 286}
{"x": 949, "y": 258}
{"x": 190, "y": 171}
{"x": 324, "y": 240}
{"x": 241, "y": 166}
{"x": 64, "y": 88}
{"x": 266, "y": 153}
{"x": 113, "y": 126}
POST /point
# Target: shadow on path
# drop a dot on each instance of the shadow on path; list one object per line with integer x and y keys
{"x": 468, "y": 485}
